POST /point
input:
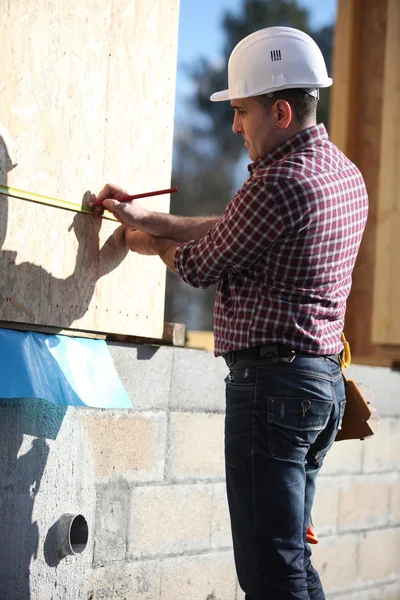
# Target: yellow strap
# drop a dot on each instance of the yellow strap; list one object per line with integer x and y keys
{"x": 13, "y": 192}
{"x": 346, "y": 356}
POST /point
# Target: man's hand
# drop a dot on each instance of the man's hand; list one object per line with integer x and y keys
{"x": 158, "y": 224}
{"x": 128, "y": 213}
{"x": 140, "y": 242}
{"x": 148, "y": 245}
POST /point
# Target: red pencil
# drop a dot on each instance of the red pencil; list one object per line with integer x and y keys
{"x": 136, "y": 196}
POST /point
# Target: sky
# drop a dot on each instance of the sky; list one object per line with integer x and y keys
{"x": 200, "y": 33}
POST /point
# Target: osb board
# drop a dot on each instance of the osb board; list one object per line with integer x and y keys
{"x": 386, "y": 316}
{"x": 87, "y": 96}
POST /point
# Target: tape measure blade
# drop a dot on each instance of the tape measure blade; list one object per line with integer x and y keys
{"x": 49, "y": 201}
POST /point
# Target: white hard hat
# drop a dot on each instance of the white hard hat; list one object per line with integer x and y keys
{"x": 272, "y": 59}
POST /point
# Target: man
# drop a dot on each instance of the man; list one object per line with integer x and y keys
{"x": 282, "y": 254}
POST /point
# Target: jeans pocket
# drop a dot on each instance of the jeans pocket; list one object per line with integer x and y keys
{"x": 238, "y": 422}
{"x": 294, "y": 423}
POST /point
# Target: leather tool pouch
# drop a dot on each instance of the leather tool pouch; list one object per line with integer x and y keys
{"x": 355, "y": 425}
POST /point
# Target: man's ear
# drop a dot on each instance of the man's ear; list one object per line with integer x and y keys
{"x": 283, "y": 114}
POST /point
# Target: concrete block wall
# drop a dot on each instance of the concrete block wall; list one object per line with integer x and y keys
{"x": 150, "y": 483}
{"x": 357, "y": 506}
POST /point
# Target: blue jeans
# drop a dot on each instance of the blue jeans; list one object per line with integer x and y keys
{"x": 281, "y": 419}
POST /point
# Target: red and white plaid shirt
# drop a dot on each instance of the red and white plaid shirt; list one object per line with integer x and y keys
{"x": 284, "y": 249}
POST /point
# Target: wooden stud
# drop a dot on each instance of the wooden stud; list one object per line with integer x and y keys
{"x": 386, "y": 313}
{"x": 344, "y": 72}
{"x": 363, "y": 148}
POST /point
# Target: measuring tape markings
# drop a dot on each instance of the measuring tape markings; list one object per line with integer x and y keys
{"x": 56, "y": 202}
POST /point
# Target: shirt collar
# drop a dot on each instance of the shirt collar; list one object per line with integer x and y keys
{"x": 304, "y": 138}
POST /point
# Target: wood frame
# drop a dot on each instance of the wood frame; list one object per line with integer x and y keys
{"x": 386, "y": 314}
{"x": 364, "y": 96}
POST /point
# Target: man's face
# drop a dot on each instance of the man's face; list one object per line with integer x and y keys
{"x": 256, "y": 124}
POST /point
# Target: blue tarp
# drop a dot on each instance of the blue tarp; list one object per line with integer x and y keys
{"x": 61, "y": 369}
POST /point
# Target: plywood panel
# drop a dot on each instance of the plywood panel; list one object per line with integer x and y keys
{"x": 386, "y": 322}
{"x": 87, "y": 96}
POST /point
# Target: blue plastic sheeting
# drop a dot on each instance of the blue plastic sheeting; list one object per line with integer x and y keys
{"x": 60, "y": 369}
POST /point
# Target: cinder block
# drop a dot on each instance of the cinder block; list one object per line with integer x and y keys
{"x": 364, "y": 502}
{"x": 20, "y": 537}
{"x": 344, "y": 457}
{"x": 112, "y": 511}
{"x": 139, "y": 581}
{"x": 146, "y": 580}
{"x": 170, "y": 519}
{"x": 197, "y": 381}
{"x": 392, "y": 592}
{"x": 128, "y": 444}
{"x": 380, "y": 555}
{"x": 221, "y": 535}
{"x": 325, "y": 510}
{"x": 335, "y": 559}
{"x": 196, "y": 446}
{"x": 384, "y": 384}
{"x": 42, "y": 588}
{"x": 375, "y": 593}
{"x": 208, "y": 576}
{"x": 382, "y": 450}
{"x": 145, "y": 372}
{"x": 395, "y": 502}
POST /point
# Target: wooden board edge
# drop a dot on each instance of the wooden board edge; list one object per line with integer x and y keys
{"x": 174, "y": 334}
{"x": 382, "y": 331}
{"x": 344, "y": 69}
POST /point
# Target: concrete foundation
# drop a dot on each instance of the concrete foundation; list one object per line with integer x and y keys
{"x": 150, "y": 484}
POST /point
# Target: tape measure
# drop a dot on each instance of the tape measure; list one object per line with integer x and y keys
{"x": 65, "y": 204}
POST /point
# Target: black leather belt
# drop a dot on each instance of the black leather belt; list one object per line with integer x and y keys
{"x": 271, "y": 351}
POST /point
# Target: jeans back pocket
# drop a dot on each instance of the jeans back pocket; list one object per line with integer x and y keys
{"x": 294, "y": 423}
{"x": 303, "y": 414}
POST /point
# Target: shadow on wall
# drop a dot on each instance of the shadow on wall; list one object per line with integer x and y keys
{"x": 67, "y": 299}
{"x": 25, "y": 426}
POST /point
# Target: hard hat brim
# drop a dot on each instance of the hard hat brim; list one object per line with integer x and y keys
{"x": 220, "y": 96}
{"x": 225, "y": 95}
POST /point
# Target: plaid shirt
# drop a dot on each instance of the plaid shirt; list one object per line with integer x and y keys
{"x": 284, "y": 249}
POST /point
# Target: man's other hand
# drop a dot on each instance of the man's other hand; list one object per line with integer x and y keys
{"x": 140, "y": 242}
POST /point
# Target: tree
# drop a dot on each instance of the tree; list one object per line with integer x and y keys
{"x": 207, "y": 153}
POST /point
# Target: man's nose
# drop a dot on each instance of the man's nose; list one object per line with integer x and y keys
{"x": 237, "y": 124}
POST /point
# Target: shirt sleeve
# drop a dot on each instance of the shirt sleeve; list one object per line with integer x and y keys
{"x": 250, "y": 224}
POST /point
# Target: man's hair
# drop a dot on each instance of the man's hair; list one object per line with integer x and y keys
{"x": 304, "y": 105}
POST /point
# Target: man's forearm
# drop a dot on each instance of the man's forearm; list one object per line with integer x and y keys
{"x": 173, "y": 227}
